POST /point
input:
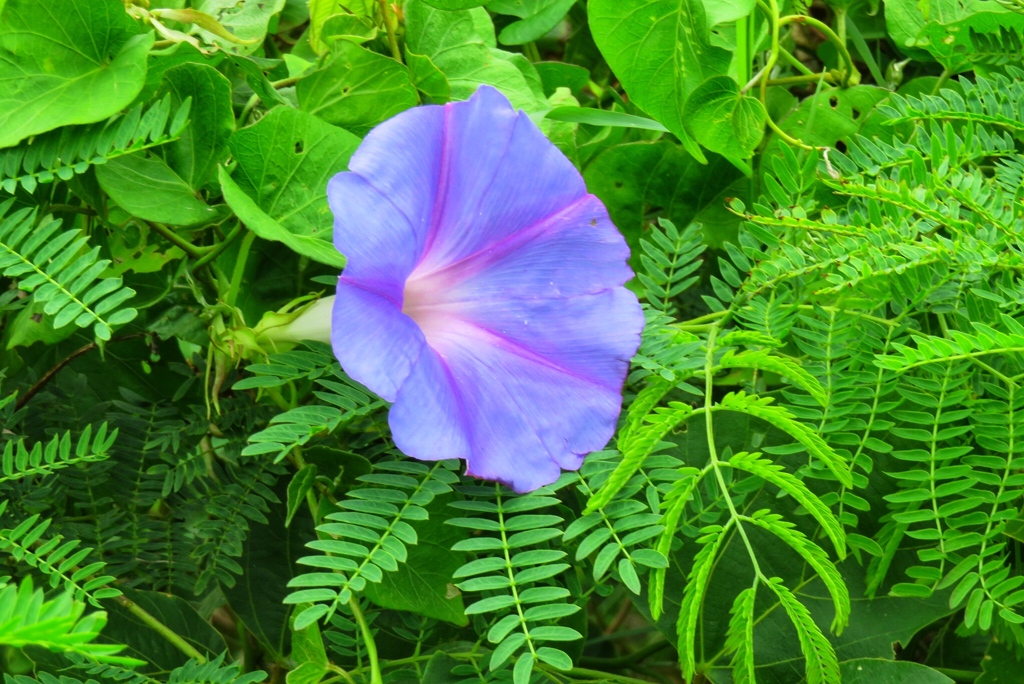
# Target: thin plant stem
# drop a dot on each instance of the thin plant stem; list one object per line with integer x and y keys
{"x": 342, "y": 674}
{"x": 802, "y": 78}
{"x": 368, "y": 642}
{"x": 192, "y": 250}
{"x": 713, "y": 450}
{"x": 239, "y": 270}
{"x": 841, "y": 24}
{"x": 788, "y": 57}
{"x": 160, "y": 628}
{"x": 390, "y": 28}
{"x": 218, "y": 248}
{"x": 943, "y": 77}
{"x": 285, "y": 82}
{"x": 844, "y": 52}
{"x": 743, "y": 29}
{"x": 599, "y": 676}
{"x": 50, "y": 374}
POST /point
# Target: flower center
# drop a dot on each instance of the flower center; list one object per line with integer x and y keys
{"x": 423, "y": 300}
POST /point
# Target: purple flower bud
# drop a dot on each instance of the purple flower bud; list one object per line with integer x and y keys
{"x": 483, "y": 292}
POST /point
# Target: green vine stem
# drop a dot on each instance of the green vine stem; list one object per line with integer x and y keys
{"x": 217, "y": 249}
{"x": 390, "y": 25}
{"x": 239, "y": 269}
{"x": 851, "y": 76}
{"x": 192, "y": 250}
{"x": 788, "y": 57}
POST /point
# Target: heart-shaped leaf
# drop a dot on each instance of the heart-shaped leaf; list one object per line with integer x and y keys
{"x": 723, "y": 119}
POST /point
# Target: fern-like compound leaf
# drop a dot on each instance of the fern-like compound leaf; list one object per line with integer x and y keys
{"x": 815, "y": 557}
{"x": 822, "y": 666}
{"x": 670, "y": 258}
{"x": 774, "y": 363}
{"x": 740, "y": 637}
{"x": 60, "y": 273}
{"x": 761, "y": 407}
{"x": 19, "y": 462}
{"x": 693, "y": 595}
{"x": 344, "y": 400}
{"x": 72, "y": 150}
{"x": 368, "y": 536}
{"x": 58, "y": 624}
{"x": 516, "y": 573}
{"x": 641, "y": 443}
{"x": 794, "y": 486}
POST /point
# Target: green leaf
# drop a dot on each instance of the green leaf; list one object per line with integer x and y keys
{"x": 554, "y": 657}
{"x": 979, "y": 37}
{"x": 762, "y": 408}
{"x": 258, "y": 81}
{"x": 1000, "y": 664}
{"x": 423, "y": 584}
{"x": 537, "y": 17}
{"x": 323, "y": 11}
{"x": 831, "y": 116}
{"x": 523, "y": 669}
{"x": 256, "y": 220}
{"x": 268, "y": 563}
{"x": 27, "y": 620}
{"x": 31, "y": 325}
{"x": 820, "y": 658}
{"x": 308, "y": 653}
{"x": 66, "y": 62}
{"x": 740, "y": 637}
{"x": 723, "y": 120}
{"x": 816, "y": 558}
{"x": 879, "y": 671}
{"x": 795, "y": 487}
{"x": 904, "y": 19}
{"x": 724, "y": 11}
{"x": 146, "y": 644}
{"x": 452, "y": 5}
{"x": 204, "y": 142}
{"x": 661, "y": 51}
{"x": 279, "y": 189}
{"x": 556, "y": 75}
{"x": 246, "y": 19}
{"x": 349, "y": 27}
{"x": 693, "y": 597}
{"x": 461, "y": 44}
{"x": 356, "y": 89}
{"x": 640, "y": 444}
{"x": 427, "y": 78}
{"x": 635, "y": 179}
{"x": 301, "y": 483}
{"x": 784, "y": 366}
{"x": 51, "y": 265}
{"x": 601, "y": 117}
{"x": 148, "y": 188}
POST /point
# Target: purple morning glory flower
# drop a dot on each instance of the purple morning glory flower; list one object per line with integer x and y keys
{"x": 483, "y": 292}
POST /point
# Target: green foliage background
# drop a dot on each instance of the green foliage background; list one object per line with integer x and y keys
{"x": 818, "y": 473}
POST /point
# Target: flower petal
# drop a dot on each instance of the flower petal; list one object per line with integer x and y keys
{"x": 592, "y": 337}
{"x": 375, "y": 342}
{"x": 524, "y": 418}
{"x": 373, "y": 234}
{"x": 575, "y": 251}
{"x": 403, "y": 160}
{"x": 494, "y": 190}
{"x": 427, "y": 420}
